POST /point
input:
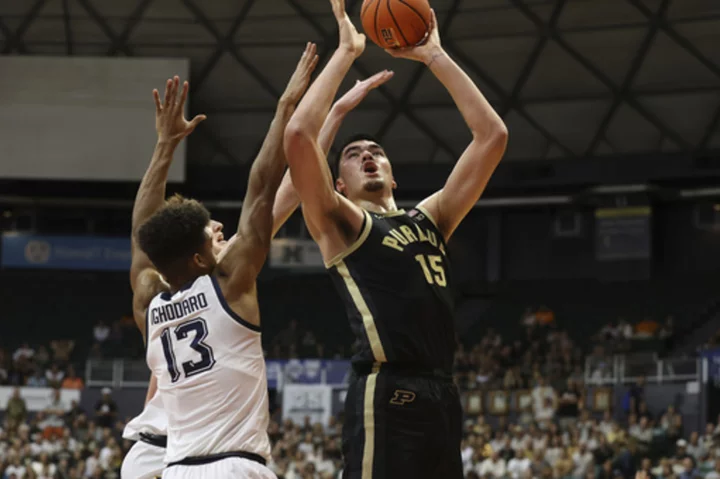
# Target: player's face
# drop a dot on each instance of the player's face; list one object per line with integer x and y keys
{"x": 364, "y": 167}
{"x": 214, "y": 231}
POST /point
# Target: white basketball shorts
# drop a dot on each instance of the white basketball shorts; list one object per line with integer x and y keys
{"x": 229, "y": 468}
{"x": 143, "y": 461}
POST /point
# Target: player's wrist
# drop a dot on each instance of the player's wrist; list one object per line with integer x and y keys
{"x": 166, "y": 143}
{"x": 433, "y": 55}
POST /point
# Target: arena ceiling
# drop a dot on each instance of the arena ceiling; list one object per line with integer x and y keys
{"x": 572, "y": 78}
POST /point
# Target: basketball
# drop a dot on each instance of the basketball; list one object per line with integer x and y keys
{"x": 396, "y": 23}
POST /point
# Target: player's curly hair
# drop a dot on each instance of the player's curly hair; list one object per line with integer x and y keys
{"x": 174, "y": 233}
{"x": 335, "y": 166}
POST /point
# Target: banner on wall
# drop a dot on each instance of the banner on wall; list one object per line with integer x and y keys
{"x": 88, "y": 253}
{"x": 37, "y": 399}
{"x": 307, "y": 371}
{"x": 314, "y": 401}
{"x": 295, "y": 253}
{"x": 623, "y": 233}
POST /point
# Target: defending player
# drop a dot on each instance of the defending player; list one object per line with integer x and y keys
{"x": 195, "y": 299}
{"x": 402, "y": 413}
{"x": 146, "y": 458}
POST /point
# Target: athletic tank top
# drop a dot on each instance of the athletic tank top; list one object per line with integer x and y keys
{"x": 211, "y": 373}
{"x": 396, "y": 284}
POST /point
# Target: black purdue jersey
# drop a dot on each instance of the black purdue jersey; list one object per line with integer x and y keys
{"x": 396, "y": 284}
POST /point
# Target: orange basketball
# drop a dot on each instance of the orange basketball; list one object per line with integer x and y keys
{"x": 396, "y": 23}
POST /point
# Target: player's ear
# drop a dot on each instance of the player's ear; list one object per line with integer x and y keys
{"x": 200, "y": 262}
{"x": 340, "y": 186}
{"x": 394, "y": 184}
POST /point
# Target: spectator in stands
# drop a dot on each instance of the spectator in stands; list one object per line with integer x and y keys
{"x": 694, "y": 448}
{"x": 569, "y": 405}
{"x": 71, "y": 380}
{"x": 37, "y": 380}
{"x": 15, "y": 410}
{"x": 106, "y": 409}
{"x": 101, "y": 332}
{"x": 42, "y": 357}
{"x": 23, "y": 353}
{"x": 544, "y": 401}
{"x": 634, "y": 397}
{"x": 671, "y": 423}
{"x": 62, "y": 350}
{"x": 642, "y": 434}
{"x": 493, "y": 467}
{"x": 54, "y": 376}
{"x": 54, "y": 417}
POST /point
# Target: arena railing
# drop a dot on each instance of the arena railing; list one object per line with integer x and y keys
{"x": 628, "y": 369}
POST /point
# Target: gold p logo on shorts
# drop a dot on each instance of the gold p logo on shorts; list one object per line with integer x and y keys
{"x": 402, "y": 397}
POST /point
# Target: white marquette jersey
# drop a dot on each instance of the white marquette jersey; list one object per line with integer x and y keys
{"x": 152, "y": 420}
{"x": 211, "y": 373}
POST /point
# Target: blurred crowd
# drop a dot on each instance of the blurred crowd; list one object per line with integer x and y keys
{"x": 557, "y": 436}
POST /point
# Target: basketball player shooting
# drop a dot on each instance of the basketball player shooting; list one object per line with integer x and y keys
{"x": 195, "y": 300}
{"x": 402, "y": 412}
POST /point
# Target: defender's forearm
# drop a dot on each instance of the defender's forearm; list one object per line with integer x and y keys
{"x": 151, "y": 193}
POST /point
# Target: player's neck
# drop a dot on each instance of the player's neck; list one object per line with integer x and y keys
{"x": 381, "y": 204}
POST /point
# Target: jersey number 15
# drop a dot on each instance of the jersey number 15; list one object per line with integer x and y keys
{"x": 432, "y": 268}
{"x": 206, "y": 361}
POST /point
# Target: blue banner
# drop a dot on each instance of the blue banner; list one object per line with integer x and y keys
{"x": 307, "y": 371}
{"x": 89, "y": 253}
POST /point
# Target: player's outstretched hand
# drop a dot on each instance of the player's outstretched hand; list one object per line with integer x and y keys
{"x": 357, "y": 93}
{"x": 424, "y": 52}
{"x": 350, "y": 39}
{"x": 170, "y": 121}
{"x": 300, "y": 79}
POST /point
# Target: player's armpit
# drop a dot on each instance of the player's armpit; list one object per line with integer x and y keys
{"x": 149, "y": 284}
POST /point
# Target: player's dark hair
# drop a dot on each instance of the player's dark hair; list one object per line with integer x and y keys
{"x": 174, "y": 233}
{"x": 357, "y": 137}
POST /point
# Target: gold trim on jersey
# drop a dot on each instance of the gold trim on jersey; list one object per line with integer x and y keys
{"x": 358, "y": 242}
{"x": 390, "y": 214}
{"x": 427, "y": 214}
{"x": 362, "y": 307}
{"x": 369, "y": 425}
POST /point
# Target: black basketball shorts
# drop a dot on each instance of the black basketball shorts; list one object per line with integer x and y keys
{"x": 402, "y": 426}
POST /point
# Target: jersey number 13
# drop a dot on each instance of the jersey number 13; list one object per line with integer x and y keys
{"x": 206, "y": 360}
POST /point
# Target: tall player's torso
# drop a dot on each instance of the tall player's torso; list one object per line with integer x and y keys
{"x": 211, "y": 373}
{"x": 396, "y": 285}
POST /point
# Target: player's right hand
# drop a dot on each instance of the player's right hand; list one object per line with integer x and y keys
{"x": 170, "y": 121}
{"x": 350, "y": 39}
{"x": 360, "y": 90}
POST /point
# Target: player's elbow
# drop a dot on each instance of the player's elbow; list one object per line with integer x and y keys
{"x": 297, "y": 138}
{"x": 494, "y": 139}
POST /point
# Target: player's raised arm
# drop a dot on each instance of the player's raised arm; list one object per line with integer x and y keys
{"x": 172, "y": 128}
{"x": 287, "y": 199}
{"x": 310, "y": 173}
{"x": 245, "y": 255}
{"x": 473, "y": 170}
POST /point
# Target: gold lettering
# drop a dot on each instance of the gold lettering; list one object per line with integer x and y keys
{"x": 442, "y": 249}
{"x": 398, "y": 236}
{"x": 409, "y": 234}
{"x": 392, "y": 243}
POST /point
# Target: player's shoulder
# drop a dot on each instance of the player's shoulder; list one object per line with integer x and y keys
{"x": 149, "y": 284}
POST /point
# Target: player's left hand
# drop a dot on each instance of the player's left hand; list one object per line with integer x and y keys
{"x": 170, "y": 121}
{"x": 300, "y": 80}
{"x": 362, "y": 88}
{"x": 426, "y": 51}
